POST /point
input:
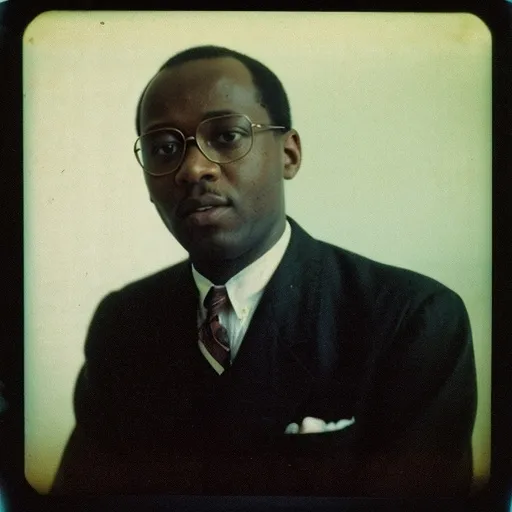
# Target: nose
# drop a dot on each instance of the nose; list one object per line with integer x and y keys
{"x": 195, "y": 166}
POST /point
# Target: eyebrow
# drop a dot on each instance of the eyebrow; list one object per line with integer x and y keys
{"x": 207, "y": 115}
{"x": 216, "y": 113}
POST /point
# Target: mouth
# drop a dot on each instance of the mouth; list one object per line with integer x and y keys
{"x": 206, "y": 215}
{"x": 194, "y": 206}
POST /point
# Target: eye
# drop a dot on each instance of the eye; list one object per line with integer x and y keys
{"x": 165, "y": 149}
{"x": 229, "y": 137}
{"x": 162, "y": 145}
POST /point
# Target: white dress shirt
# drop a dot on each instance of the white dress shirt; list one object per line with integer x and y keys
{"x": 244, "y": 291}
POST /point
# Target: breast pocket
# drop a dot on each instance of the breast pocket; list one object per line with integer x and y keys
{"x": 325, "y": 443}
{"x": 318, "y": 464}
{"x": 329, "y": 399}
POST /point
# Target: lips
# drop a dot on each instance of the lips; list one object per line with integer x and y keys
{"x": 200, "y": 204}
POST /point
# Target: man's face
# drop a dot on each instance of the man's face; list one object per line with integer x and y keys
{"x": 248, "y": 194}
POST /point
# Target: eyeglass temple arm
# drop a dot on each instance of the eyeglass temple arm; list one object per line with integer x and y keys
{"x": 262, "y": 127}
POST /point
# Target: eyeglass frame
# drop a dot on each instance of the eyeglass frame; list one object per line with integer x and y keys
{"x": 260, "y": 127}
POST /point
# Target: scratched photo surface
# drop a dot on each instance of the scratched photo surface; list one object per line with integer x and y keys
{"x": 394, "y": 113}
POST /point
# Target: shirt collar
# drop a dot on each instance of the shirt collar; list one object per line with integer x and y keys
{"x": 250, "y": 281}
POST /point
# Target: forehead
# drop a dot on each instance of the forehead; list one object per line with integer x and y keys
{"x": 182, "y": 96}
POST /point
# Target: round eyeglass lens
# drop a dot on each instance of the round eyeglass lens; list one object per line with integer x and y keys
{"x": 225, "y": 139}
{"x": 160, "y": 152}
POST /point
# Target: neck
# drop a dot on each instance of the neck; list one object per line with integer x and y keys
{"x": 220, "y": 271}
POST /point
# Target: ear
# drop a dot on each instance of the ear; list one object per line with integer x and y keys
{"x": 292, "y": 154}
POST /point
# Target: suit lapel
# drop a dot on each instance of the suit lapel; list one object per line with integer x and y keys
{"x": 268, "y": 380}
{"x": 178, "y": 321}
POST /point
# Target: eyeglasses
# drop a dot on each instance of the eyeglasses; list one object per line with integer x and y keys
{"x": 221, "y": 140}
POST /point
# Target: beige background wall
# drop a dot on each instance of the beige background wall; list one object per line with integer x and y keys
{"x": 395, "y": 117}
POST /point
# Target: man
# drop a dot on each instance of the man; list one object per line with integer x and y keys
{"x": 269, "y": 362}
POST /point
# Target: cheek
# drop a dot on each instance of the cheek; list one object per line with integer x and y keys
{"x": 151, "y": 185}
{"x": 264, "y": 196}
{"x": 264, "y": 176}
{"x": 160, "y": 189}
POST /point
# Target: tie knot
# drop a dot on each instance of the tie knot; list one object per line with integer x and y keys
{"x": 215, "y": 300}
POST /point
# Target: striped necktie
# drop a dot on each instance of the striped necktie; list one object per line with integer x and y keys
{"x": 212, "y": 333}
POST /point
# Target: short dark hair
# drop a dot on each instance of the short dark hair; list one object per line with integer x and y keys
{"x": 271, "y": 91}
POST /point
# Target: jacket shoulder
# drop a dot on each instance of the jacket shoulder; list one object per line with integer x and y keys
{"x": 167, "y": 279}
{"x": 363, "y": 282}
{"x": 131, "y": 311}
{"x": 374, "y": 280}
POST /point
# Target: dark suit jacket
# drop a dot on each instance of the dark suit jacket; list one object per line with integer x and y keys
{"x": 335, "y": 336}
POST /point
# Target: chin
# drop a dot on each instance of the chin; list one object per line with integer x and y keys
{"x": 213, "y": 250}
{"x": 211, "y": 244}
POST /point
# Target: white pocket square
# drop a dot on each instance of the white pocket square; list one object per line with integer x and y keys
{"x": 315, "y": 425}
